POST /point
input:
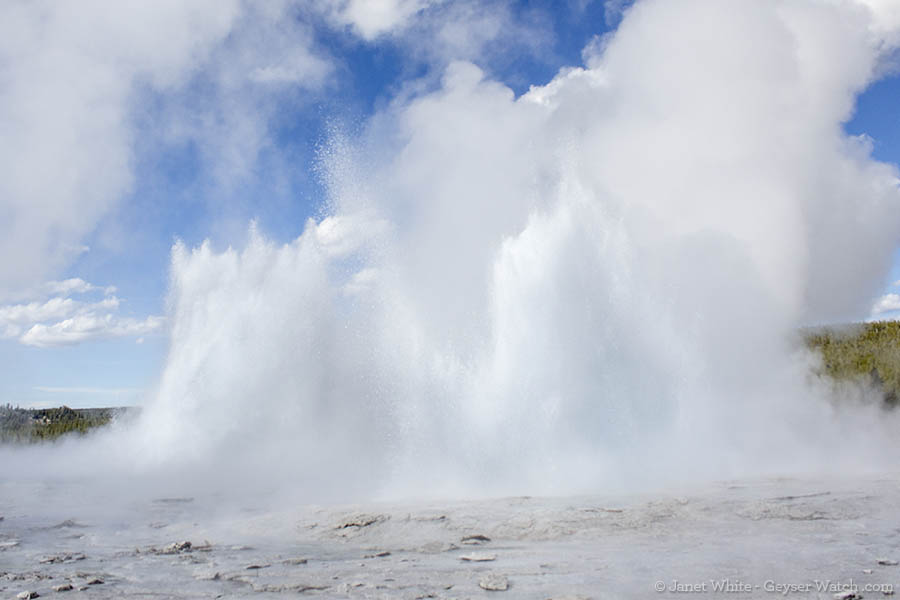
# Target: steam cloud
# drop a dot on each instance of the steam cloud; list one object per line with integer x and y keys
{"x": 596, "y": 284}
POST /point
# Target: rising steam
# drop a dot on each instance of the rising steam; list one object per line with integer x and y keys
{"x": 595, "y": 284}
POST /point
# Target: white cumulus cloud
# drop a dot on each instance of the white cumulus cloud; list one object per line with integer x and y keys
{"x": 82, "y": 328}
{"x": 77, "y": 78}
{"x": 372, "y": 18}
{"x": 61, "y": 320}
{"x": 885, "y": 304}
{"x": 613, "y": 10}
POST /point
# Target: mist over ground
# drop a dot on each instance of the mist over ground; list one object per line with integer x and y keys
{"x": 592, "y": 286}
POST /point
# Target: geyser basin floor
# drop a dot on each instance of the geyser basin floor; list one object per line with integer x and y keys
{"x": 766, "y": 534}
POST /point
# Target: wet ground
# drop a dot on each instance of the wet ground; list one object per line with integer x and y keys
{"x": 800, "y": 538}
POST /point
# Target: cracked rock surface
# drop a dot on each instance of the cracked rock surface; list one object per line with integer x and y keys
{"x": 787, "y": 531}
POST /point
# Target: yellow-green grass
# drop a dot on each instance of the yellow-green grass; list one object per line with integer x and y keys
{"x": 864, "y": 352}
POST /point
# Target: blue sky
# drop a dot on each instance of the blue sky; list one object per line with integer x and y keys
{"x": 181, "y": 187}
{"x": 878, "y": 116}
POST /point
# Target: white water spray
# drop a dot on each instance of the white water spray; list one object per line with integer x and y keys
{"x": 594, "y": 285}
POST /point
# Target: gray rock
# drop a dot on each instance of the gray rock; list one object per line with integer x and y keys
{"x": 67, "y": 524}
{"x": 29, "y": 576}
{"x": 362, "y": 520}
{"x": 475, "y": 539}
{"x": 478, "y": 557}
{"x": 63, "y": 587}
{"x": 175, "y": 548}
{"x": 173, "y": 500}
{"x": 27, "y": 595}
{"x": 494, "y": 583}
{"x": 63, "y": 558}
{"x": 303, "y": 588}
{"x": 888, "y": 562}
{"x": 437, "y": 547}
{"x": 299, "y": 588}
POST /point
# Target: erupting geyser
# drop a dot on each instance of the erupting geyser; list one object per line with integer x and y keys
{"x": 595, "y": 284}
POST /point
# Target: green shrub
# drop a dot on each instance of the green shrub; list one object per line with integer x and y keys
{"x": 20, "y": 425}
{"x": 869, "y": 351}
